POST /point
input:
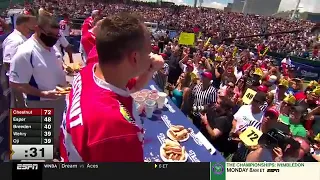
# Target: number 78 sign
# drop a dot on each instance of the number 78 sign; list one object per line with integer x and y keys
{"x": 250, "y": 136}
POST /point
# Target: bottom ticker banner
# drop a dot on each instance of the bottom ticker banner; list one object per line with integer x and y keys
{"x": 103, "y": 171}
{"x": 264, "y": 170}
{"x": 161, "y": 171}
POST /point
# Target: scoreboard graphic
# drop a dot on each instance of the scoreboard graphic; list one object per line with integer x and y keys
{"x": 31, "y": 134}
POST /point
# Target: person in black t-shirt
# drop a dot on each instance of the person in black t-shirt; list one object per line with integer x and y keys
{"x": 217, "y": 72}
{"x": 161, "y": 44}
{"x": 217, "y": 123}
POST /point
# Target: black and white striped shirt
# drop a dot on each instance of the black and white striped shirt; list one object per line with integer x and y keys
{"x": 264, "y": 107}
{"x": 254, "y": 123}
{"x": 202, "y": 97}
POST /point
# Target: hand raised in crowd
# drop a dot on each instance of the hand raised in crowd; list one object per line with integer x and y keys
{"x": 157, "y": 62}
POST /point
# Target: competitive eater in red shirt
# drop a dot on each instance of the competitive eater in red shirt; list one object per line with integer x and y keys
{"x": 88, "y": 22}
{"x": 101, "y": 123}
{"x": 88, "y": 40}
{"x": 86, "y": 26}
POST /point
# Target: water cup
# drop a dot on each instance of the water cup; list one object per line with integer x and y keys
{"x": 154, "y": 97}
{"x": 139, "y": 103}
{"x": 143, "y": 94}
{"x": 134, "y": 95}
{"x": 154, "y": 92}
{"x": 145, "y": 91}
{"x": 161, "y": 99}
{"x": 149, "y": 107}
{"x": 139, "y": 99}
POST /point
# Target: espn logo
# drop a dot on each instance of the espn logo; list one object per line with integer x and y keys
{"x": 27, "y": 166}
{"x": 273, "y": 170}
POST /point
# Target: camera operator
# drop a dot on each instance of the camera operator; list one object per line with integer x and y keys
{"x": 269, "y": 120}
{"x": 217, "y": 123}
{"x": 277, "y": 146}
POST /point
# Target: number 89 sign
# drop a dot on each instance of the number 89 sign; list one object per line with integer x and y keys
{"x": 250, "y": 136}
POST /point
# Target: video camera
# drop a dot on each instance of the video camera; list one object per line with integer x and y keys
{"x": 277, "y": 138}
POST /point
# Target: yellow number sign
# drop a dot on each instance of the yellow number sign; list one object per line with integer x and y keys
{"x": 248, "y": 96}
{"x": 250, "y": 136}
{"x": 186, "y": 38}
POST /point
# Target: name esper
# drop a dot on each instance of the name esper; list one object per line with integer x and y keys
{"x": 18, "y": 119}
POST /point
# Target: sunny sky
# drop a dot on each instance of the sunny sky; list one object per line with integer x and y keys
{"x": 305, "y": 5}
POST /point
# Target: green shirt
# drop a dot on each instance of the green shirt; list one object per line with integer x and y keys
{"x": 296, "y": 129}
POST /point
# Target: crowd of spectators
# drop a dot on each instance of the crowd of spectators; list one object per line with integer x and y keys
{"x": 210, "y": 21}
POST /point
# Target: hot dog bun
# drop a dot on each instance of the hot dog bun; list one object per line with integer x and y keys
{"x": 58, "y": 88}
{"x": 171, "y": 143}
{"x": 178, "y": 133}
{"x": 172, "y": 151}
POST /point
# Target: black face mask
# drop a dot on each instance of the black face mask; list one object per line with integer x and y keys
{"x": 49, "y": 41}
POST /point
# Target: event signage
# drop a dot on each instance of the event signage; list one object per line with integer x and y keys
{"x": 248, "y": 96}
{"x": 187, "y": 38}
{"x": 250, "y": 136}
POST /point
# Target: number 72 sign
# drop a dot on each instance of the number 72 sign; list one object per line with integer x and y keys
{"x": 250, "y": 136}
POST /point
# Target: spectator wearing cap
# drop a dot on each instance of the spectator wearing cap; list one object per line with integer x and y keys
{"x": 270, "y": 82}
{"x": 289, "y": 152}
{"x": 264, "y": 89}
{"x": 286, "y": 105}
{"x": 270, "y": 117}
{"x": 295, "y": 121}
{"x": 202, "y": 94}
{"x": 155, "y": 49}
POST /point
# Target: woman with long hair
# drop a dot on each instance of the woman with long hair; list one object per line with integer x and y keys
{"x": 181, "y": 91}
{"x": 239, "y": 89}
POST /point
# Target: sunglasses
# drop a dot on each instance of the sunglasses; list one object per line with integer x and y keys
{"x": 50, "y": 34}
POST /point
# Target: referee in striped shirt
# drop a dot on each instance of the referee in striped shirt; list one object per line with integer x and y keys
{"x": 202, "y": 94}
